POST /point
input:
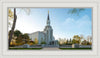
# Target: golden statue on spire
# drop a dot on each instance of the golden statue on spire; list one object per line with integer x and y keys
{"x": 48, "y": 11}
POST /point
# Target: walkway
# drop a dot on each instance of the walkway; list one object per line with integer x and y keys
{"x": 50, "y": 48}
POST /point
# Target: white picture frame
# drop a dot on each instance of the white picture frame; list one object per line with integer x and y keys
{"x": 70, "y": 53}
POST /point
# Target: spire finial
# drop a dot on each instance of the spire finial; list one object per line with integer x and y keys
{"x": 48, "y": 21}
{"x": 48, "y": 11}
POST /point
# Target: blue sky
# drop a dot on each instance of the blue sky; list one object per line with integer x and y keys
{"x": 64, "y": 25}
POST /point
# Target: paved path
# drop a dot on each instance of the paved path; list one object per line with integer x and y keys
{"x": 50, "y": 48}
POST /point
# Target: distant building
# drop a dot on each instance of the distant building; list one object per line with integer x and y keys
{"x": 46, "y": 35}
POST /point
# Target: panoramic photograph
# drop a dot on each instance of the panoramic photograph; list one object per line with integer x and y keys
{"x": 50, "y": 29}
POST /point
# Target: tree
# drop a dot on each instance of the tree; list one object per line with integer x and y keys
{"x": 16, "y": 36}
{"x": 77, "y": 38}
{"x": 10, "y": 17}
{"x": 60, "y": 41}
{"x": 67, "y": 42}
{"x": 26, "y": 38}
{"x": 31, "y": 43}
{"x": 81, "y": 37}
{"x": 17, "y": 33}
{"x": 84, "y": 42}
{"x": 9, "y": 32}
{"x": 75, "y": 10}
{"x": 10, "y": 14}
{"x": 20, "y": 39}
{"x": 70, "y": 40}
{"x": 36, "y": 41}
{"x": 89, "y": 38}
{"x": 13, "y": 26}
{"x": 73, "y": 41}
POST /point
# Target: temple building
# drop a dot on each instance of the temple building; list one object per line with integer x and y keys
{"x": 46, "y": 35}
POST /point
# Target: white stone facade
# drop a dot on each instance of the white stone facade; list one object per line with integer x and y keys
{"x": 39, "y": 35}
{"x": 46, "y": 35}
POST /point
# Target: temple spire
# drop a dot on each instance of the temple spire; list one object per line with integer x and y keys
{"x": 48, "y": 20}
{"x": 48, "y": 15}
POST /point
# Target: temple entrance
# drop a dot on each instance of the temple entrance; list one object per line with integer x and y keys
{"x": 52, "y": 44}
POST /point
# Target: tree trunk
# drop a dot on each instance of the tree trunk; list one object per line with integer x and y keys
{"x": 13, "y": 26}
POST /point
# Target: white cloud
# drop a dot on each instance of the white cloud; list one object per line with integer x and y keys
{"x": 82, "y": 23}
{"x": 71, "y": 27}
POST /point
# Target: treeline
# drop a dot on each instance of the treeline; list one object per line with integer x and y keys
{"x": 18, "y": 38}
{"x": 76, "y": 40}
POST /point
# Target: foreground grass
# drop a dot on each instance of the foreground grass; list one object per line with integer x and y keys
{"x": 25, "y": 48}
{"x": 76, "y": 48}
{"x": 41, "y": 48}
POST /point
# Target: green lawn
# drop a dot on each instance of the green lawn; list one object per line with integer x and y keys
{"x": 41, "y": 48}
{"x": 25, "y": 48}
{"x": 76, "y": 48}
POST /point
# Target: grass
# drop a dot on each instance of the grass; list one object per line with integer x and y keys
{"x": 25, "y": 48}
{"x": 76, "y": 48}
{"x": 41, "y": 48}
